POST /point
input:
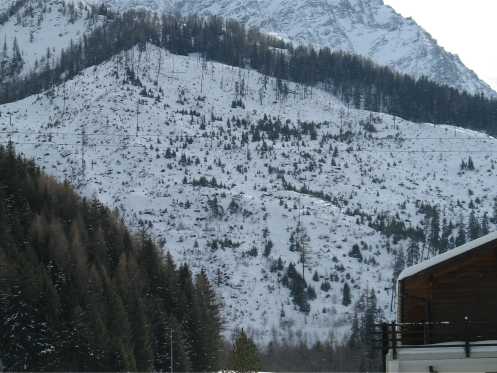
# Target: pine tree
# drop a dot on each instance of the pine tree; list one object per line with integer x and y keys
{"x": 434, "y": 239}
{"x": 297, "y": 286}
{"x": 346, "y": 297}
{"x": 371, "y": 314}
{"x": 207, "y": 358}
{"x": 302, "y": 242}
{"x": 413, "y": 254}
{"x": 485, "y": 225}
{"x": 245, "y": 357}
{"x": 474, "y": 228}
{"x": 88, "y": 302}
{"x": 16, "y": 61}
{"x": 355, "y": 335}
{"x": 494, "y": 217}
{"x": 399, "y": 263}
{"x": 119, "y": 331}
{"x": 26, "y": 338}
{"x": 4, "y": 58}
{"x": 470, "y": 164}
{"x": 444, "y": 239}
{"x": 141, "y": 337}
{"x": 461, "y": 236}
{"x": 356, "y": 252}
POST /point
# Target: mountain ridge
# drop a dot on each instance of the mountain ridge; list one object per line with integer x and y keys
{"x": 368, "y": 28}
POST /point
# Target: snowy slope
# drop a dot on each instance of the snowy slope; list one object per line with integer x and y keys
{"x": 43, "y": 28}
{"x": 145, "y": 163}
{"x": 366, "y": 27}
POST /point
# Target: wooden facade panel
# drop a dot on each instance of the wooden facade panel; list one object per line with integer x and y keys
{"x": 461, "y": 288}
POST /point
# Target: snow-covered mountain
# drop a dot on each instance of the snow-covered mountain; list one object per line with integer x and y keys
{"x": 221, "y": 176}
{"x": 365, "y": 27}
{"x": 42, "y": 29}
{"x": 178, "y": 164}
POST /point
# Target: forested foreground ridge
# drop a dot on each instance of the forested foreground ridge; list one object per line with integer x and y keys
{"x": 357, "y": 81}
{"x": 79, "y": 292}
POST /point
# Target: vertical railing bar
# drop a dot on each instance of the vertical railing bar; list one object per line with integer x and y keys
{"x": 394, "y": 340}
{"x": 467, "y": 347}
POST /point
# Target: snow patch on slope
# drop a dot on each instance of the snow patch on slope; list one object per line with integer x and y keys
{"x": 43, "y": 31}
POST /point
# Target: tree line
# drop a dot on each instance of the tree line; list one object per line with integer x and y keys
{"x": 79, "y": 292}
{"x": 356, "y": 80}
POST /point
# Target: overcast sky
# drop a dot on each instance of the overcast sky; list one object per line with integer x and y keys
{"x": 465, "y": 27}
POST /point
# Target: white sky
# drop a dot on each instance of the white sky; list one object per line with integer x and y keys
{"x": 464, "y": 27}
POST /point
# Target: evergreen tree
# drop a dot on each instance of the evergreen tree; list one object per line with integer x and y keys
{"x": 399, "y": 263}
{"x": 207, "y": 357}
{"x": 245, "y": 357}
{"x": 141, "y": 337}
{"x": 297, "y": 286}
{"x": 474, "y": 228}
{"x": 434, "y": 239}
{"x": 413, "y": 254}
{"x": 485, "y": 229}
{"x": 346, "y": 297}
{"x": 16, "y": 61}
{"x": 356, "y": 252}
{"x": 461, "y": 236}
{"x": 78, "y": 292}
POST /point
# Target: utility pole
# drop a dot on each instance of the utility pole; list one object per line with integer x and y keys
{"x": 83, "y": 161}
{"x": 159, "y": 67}
{"x": 203, "y": 68}
{"x": 11, "y": 128}
{"x": 64, "y": 91}
{"x": 300, "y": 238}
{"x": 137, "y": 116}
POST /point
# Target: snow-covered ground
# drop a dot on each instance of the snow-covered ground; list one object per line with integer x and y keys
{"x": 43, "y": 31}
{"x": 144, "y": 162}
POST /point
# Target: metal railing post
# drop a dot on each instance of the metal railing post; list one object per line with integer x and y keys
{"x": 394, "y": 340}
{"x": 467, "y": 346}
{"x": 385, "y": 344}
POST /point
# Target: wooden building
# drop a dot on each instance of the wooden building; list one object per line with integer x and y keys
{"x": 447, "y": 305}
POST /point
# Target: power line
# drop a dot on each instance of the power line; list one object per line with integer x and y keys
{"x": 484, "y": 139}
{"x": 371, "y": 151}
{"x": 117, "y": 146}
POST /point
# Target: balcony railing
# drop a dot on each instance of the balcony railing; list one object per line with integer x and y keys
{"x": 464, "y": 334}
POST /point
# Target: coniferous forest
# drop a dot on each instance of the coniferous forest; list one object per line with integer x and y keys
{"x": 79, "y": 292}
{"x": 356, "y": 80}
